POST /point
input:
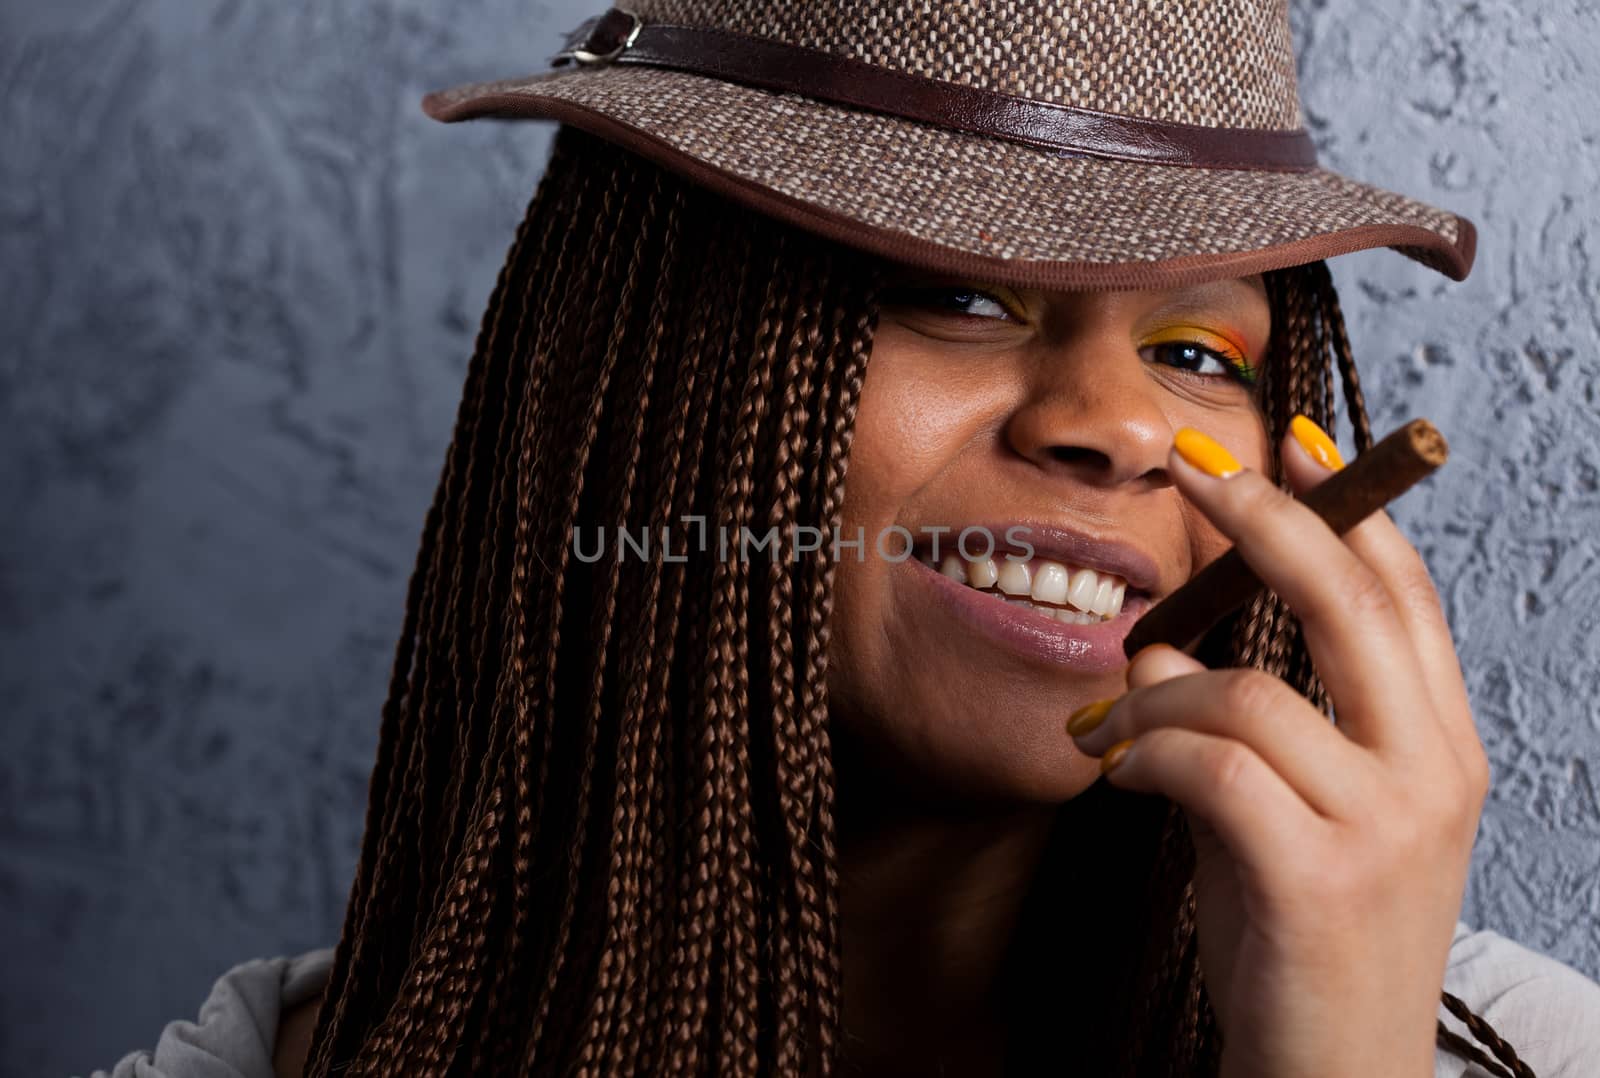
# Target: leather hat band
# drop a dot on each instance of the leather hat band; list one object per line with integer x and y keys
{"x": 619, "y": 36}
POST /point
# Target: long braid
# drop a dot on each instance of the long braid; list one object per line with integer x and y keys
{"x": 625, "y": 479}
{"x": 602, "y": 620}
{"x": 557, "y": 740}
{"x": 517, "y": 545}
{"x": 730, "y": 692}
{"x": 460, "y": 681}
{"x": 475, "y": 735}
{"x": 699, "y": 892}
{"x": 504, "y": 538}
{"x": 852, "y": 376}
{"x": 1509, "y": 1063}
{"x": 386, "y": 794}
{"x": 637, "y": 889}
{"x": 692, "y": 453}
{"x": 600, "y": 832}
{"x": 786, "y": 668}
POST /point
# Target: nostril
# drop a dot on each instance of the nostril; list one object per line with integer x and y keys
{"x": 1079, "y": 454}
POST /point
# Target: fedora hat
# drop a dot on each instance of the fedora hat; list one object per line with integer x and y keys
{"x": 1072, "y": 144}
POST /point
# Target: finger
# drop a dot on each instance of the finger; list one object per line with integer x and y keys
{"x": 1254, "y": 812}
{"x": 1379, "y": 543}
{"x": 1155, "y": 663}
{"x": 1352, "y": 626}
{"x": 1324, "y": 768}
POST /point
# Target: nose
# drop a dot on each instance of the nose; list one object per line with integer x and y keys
{"x": 1090, "y": 411}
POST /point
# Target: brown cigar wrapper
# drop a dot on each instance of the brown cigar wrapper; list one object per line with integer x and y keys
{"x": 1346, "y": 498}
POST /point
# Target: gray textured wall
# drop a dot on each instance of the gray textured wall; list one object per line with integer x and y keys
{"x": 239, "y": 276}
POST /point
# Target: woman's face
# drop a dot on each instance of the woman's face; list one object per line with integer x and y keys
{"x": 1026, "y": 419}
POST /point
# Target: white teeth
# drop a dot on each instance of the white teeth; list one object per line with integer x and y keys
{"x": 1101, "y": 604}
{"x": 982, "y": 574}
{"x": 1093, "y": 597}
{"x": 1085, "y": 582}
{"x": 1049, "y": 582}
{"x": 1013, "y": 578}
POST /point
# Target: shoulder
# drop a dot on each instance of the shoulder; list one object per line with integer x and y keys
{"x": 236, "y": 1032}
{"x": 1547, "y": 1011}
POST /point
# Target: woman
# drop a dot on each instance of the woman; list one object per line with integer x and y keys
{"x": 675, "y": 779}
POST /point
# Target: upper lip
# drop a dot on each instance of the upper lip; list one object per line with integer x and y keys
{"x": 1061, "y": 544}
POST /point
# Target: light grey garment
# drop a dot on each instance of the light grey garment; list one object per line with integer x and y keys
{"x": 238, "y": 1024}
{"x": 1547, "y": 1011}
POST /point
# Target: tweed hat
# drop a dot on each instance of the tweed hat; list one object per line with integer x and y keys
{"x": 1049, "y": 143}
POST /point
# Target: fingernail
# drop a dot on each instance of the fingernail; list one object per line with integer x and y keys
{"x": 1114, "y": 756}
{"x": 1204, "y": 453}
{"x": 1088, "y": 717}
{"x": 1315, "y": 441}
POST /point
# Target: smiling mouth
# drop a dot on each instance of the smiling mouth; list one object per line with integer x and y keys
{"x": 1074, "y": 595}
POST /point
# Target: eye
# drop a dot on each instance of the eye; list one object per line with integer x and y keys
{"x": 952, "y": 299}
{"x": 1201, "y": 358}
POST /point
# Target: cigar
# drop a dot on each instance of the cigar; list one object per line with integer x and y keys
{"x": 1345, "y": 499}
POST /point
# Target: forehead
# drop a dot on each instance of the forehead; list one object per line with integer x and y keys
{"x": 1238, "y": 304}
{"x": 1232, "y": 292}
{"x": 1250, "y": 290}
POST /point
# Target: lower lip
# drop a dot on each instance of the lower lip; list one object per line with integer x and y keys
{"x": 1091, "y": 648}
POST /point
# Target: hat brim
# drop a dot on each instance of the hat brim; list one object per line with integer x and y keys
{"x": 958, "y": 203}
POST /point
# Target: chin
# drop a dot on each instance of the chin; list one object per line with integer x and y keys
{"x": 964, "y": 745}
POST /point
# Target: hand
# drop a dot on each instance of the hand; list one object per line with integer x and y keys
{"x": 1331, "y": 858}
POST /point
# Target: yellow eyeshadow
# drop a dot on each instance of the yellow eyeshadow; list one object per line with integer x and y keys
{"x": 1221, "y": 345}
{"x": 1195, "y": 335}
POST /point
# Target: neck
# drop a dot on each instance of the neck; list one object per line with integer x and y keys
{"x": 931, "y": 894}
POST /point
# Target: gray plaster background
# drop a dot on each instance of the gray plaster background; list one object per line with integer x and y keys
{"x": 239, "y": 277}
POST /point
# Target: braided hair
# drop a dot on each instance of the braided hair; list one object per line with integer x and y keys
{"x": 599, "y": 835}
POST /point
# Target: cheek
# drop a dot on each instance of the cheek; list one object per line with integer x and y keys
{"x": 1254, "y": 442}
{"x": 908, "y": 428}
{"x": 1206, "y": 543}
{"x": 901, "y": 684}
{"x": 911, "y": 423}
{"x": 907, "y": 432}
{"x": 893, "y": 455}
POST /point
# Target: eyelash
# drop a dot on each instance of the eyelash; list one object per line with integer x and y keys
{"x": 1238, "y": 369}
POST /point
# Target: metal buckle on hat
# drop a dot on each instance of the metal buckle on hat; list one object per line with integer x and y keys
{"x": 588, "y": 42}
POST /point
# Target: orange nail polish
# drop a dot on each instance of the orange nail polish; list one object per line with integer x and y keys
{"x": 1088, "y": 717}
{"x": 1113, "y": 756}
{"x": 1205, "y": 453}
{"x": 1315, "y": 441}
